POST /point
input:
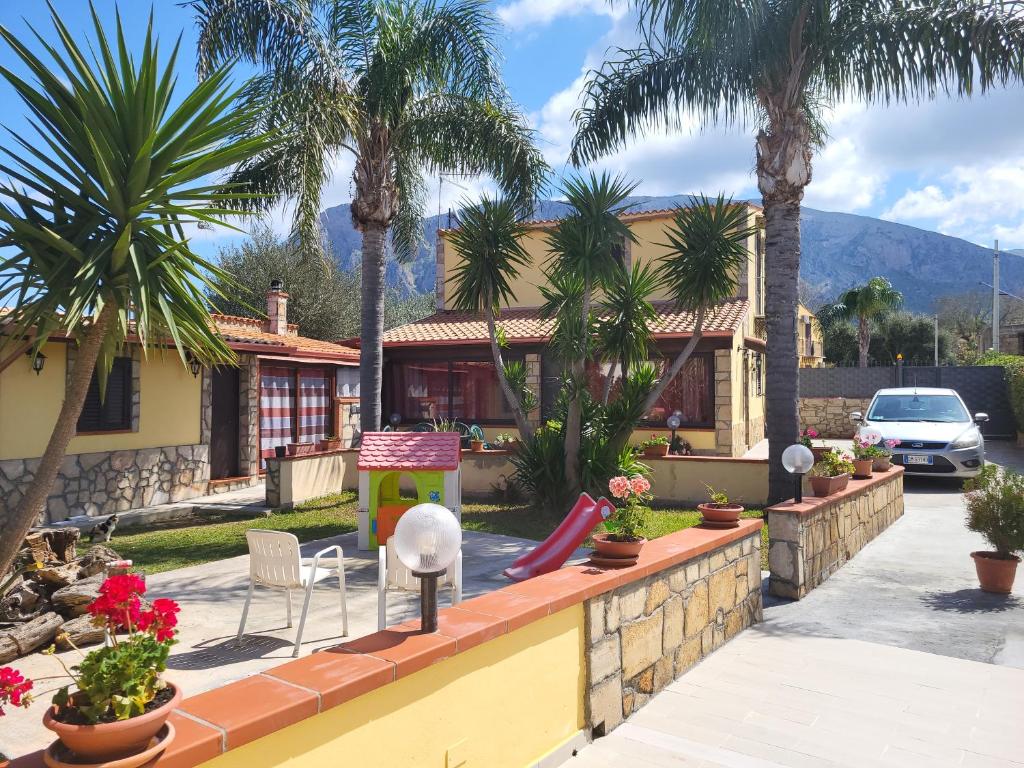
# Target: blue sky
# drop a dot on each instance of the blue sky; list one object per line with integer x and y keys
{"x": 955, "y": 167}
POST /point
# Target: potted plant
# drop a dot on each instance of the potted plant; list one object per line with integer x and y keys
{"x": 882, "y": 455}
{"x": 831, "y": 474}
{"x": 475, "y": 445}
{"x": 720, "y": 512}
{"x": 863, "y": 457}
{"x": 15, "y": 692}
{"x": 624, "y": 538}
{"x": 120, "y": 702}
{"x": 330, "y": 443}
{"x": 506, "y": 441}
{"x": 995, "y": 509}
{"x": 656, "y": 445}
{"x": 807, "y": 438}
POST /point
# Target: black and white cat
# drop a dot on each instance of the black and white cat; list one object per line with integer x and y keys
{"x": 104, "y": 530}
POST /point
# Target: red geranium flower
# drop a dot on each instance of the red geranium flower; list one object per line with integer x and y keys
{"x": 119, "y": 604}
{"x": 160, "y": 620}
{"x": 14, "y": 689}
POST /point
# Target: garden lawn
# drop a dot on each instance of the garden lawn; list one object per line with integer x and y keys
{"x": 167, "y": 548}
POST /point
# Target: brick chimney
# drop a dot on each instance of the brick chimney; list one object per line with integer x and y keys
{"x": 277, "y": 309}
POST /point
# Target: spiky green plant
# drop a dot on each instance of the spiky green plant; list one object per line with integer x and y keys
{"x": 865, "y": 304}
{"x": 94, "y": 210}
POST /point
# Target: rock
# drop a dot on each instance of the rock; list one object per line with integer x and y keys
{"x": 80, "y": 632}
{"x": 53, "y": 545}
{"x": 73, "y": 600}
{"x": 23, "y": 601}
{"x": 22, "y": 639}
{"x": 57, "y": 576}
{"x": 95, "y": 560}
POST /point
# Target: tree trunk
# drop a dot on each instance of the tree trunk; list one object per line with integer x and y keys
{"x": 371, "y": 352}
{"x": 17, "y": 525}
{"x": 514, "y": 402}
{"x": 574, "y": 417}
{"x": 609, "y": 381}
{"x": 863, "y": 341}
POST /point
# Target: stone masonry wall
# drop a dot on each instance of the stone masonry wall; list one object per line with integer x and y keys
{"x": 644, "y": 635}
{"x": 809, "y": 542}
{"x": 831, "y": 415}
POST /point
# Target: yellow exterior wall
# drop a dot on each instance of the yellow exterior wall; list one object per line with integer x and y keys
{"x": 808, "y": 360}
{"x": 504, "y": 704}
{"x": 649, "y": 248}
{"x": 170, "y": 404}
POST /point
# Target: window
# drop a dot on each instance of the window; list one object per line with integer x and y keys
{"x": 690, "y": 392}
{"x": 114, "y": 414}
{"x": 467, "y": 390}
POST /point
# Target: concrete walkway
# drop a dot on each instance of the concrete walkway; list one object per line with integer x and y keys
{"x": 897, "y": 660}
{"x": 211, "y": 597}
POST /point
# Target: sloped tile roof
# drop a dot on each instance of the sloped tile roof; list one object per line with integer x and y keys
{"x": 410, "y": 451}
{"x": 247, "y": 330}
{"x": 526, "y": 325}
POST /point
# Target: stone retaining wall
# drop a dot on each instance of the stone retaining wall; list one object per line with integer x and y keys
{"x": 645, "y": 634}
{"x": 831, "y": 415}
{"x": 810, "y": 541}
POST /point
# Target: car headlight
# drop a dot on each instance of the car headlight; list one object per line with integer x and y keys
{"x": 966, "y": 440}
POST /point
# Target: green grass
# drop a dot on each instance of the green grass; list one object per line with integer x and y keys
{"x": 167, "y": 548}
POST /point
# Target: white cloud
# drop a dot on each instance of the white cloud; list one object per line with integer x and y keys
{"x": 521, "y": 14}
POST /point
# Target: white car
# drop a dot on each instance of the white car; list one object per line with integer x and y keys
{"x": 937, "y": 434}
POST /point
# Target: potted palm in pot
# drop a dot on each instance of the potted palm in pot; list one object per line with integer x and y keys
{"x": 620, "y": 545}
{"x": 719, "y": 512}
{"x": 995, "y": 509}
{"x": 831, "y": 473}
{"x": 117, "y": 704}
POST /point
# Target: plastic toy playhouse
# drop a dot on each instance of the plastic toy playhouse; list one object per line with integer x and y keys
{"x": 424, "y": 464}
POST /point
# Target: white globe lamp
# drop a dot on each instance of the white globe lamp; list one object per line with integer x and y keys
{"x": 427, "y": 541}
{"x": 797, "y": 459}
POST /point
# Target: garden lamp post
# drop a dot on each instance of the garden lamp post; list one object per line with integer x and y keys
{"x": 797, "y": 459}
{"x": 673, "y": 423}
{"x": 394, "y": 420}
{"x": 427, "y": 541}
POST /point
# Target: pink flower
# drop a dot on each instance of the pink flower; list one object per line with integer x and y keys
{"x": 619, "y": 487}
{"x": 891, "y": 442}
{"x": 812, "y": 432}
{"x": 14, "y": 689}
{"x": 639, "y": 484}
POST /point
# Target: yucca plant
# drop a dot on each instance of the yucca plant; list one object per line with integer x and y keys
{"x": 93, "y": 214}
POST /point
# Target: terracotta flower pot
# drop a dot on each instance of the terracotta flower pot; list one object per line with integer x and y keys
{"x": 721, "y": 515}
{"x": 301, "y": 449}
{"x": 862, "y": 468}
{"x": 111, "y": 741}
{"x": 608, "y": 547}
{"x": 653, "y": 451}
{"x": 882, "y": 464}
{"x": 826, "y": 486}
{"x": 333, "y": 444}
{"x": 477, "y": 446}
{"x": 995, "y": 573}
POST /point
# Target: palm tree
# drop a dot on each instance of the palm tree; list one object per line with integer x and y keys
{"x": 488, "y": 242}
{"x": 403, "y": 86}
{"x": 623, "y": 330}
{"x": 864, "y": 304}
{"x": 781, "y": 63}
{"x": 93, "y": 217}
{"x": 587, "y": 246}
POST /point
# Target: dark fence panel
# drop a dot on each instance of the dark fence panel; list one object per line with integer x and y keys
{"x": 983, "y": 388}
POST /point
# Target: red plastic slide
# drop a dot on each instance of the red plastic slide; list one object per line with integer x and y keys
{"x": 552, "y": 553}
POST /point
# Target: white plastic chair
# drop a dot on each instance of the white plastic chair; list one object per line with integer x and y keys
{"x": 276, "y": 563}
{"x": 392, "y": 576}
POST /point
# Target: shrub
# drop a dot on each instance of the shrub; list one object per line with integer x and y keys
{"x": 995, "y": 508}
{"x": 1013, "y": 371}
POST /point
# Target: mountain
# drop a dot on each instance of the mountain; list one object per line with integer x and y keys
{"x": 839, "y": 250}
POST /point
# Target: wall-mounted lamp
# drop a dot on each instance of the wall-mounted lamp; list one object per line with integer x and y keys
{"x": 193, "y": 364}
{"x": 38, "y": 361}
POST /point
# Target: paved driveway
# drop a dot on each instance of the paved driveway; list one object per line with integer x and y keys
{"x": 897, "y": 660}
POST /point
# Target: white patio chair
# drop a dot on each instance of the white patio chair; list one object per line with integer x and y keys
{"x": 393, "y": 576}
{"x": 276, "y": 563}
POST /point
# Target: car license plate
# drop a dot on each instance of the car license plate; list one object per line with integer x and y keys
{"x": 917, "y": 458}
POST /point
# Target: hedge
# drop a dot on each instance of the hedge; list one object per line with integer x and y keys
{"x": 1013, "y": 370}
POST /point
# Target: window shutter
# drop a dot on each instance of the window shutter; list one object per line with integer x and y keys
{"x": 114, "y": 413}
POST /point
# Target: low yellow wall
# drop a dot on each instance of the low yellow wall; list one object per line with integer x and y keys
{"x": 504, "y": 704}
{"x": 309, "y": 477}
{"x": 169, "y": 412}
{"x": 699, "y": 439}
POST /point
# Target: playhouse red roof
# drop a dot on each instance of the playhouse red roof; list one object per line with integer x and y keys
{"x": 410, "y": 450}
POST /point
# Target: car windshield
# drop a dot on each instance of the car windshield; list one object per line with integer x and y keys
{"x": 942, "y": 408}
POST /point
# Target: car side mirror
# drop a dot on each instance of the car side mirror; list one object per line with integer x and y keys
{"x": 856, "y": 417}
{"x": 980, "y": 418}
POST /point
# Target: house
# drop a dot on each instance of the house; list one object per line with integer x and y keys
{"x": 1011, "y": 338}
{"x": 441, "y": 366}
{"x": 166, "y": 433}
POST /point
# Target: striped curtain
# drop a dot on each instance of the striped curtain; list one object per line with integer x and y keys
{"x": 277, "y": 408}
{"x": 315, "y": 392}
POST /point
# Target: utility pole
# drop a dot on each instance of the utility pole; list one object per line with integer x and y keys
{"x": 995, "y": 299}
{"x": 936, "y": 341}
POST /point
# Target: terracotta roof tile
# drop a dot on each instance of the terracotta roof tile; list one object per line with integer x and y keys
{"x": 526, "y": 325}
{"x": 248, "y": 330}
{"x": 410, "y": 450}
